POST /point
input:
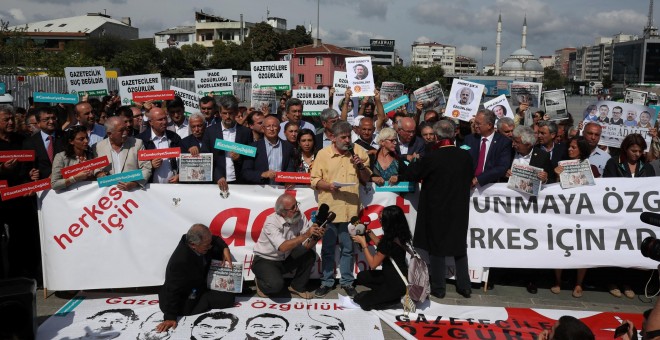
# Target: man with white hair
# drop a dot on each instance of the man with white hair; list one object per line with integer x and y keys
{"x": 285, "y": 244}
{"x": 122, "y": 151}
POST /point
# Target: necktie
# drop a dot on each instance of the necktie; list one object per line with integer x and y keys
{"x": 50, "y": 148}
{"x": 482, "y": 157}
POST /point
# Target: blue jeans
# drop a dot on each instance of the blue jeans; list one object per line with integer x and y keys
{"x": 335, "y": 231}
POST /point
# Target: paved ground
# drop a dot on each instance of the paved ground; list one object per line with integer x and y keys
{"x": 500, "y": 296}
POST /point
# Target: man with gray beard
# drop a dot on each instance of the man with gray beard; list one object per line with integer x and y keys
{"x": 285, "y": 244}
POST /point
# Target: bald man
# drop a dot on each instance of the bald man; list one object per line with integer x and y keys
{"x": 85, "y": 117}
{"x": 410, "y": 145}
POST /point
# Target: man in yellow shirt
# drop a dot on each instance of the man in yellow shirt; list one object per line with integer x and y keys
{"x": 335, "y": 166}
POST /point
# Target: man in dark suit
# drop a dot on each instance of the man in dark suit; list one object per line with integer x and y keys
{"x": 546, "y": 134}
{"x": 323, "y": 139}
{"x": 410, "y": 147}
{"x": 273, "y": 155}
{"x": 490, "y": 151}
{"x": 185, "y": 290}
{"x": 197, "y": 125}
{"x": 226, "y": 165}
{"x": 46, "y": 144}
{"x": 158, "y": 137}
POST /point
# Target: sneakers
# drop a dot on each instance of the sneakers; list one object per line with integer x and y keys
{"x": 259, "y": 292}
{"x": 304, "y": 295}
{"x": 322, "y": 291}
{"x": 350, "y": 290}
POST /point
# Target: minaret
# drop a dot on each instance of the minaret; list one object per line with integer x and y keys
{"x": 498, "y": 44}
{"x": 524, "y": 35}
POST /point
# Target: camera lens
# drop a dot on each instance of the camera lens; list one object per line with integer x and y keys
{"x": 651, "y": 248}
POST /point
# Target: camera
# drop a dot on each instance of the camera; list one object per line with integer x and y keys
{"x": 356, "y": 230}
{"x": 651, "y": 248}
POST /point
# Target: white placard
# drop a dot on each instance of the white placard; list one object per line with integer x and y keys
{"x": 138, "y": 83}
{"x": 464, "y": 99}
{"x": 500, "y": 106}
{"x": 190, "y": 99}
{"x": 271, "y": 74}
{"x": 264, "y": 100}
{"x": 390, "y": 90}
{"x": 524, "y": 92}
{"x": 635, "y": 97}
{"x": 220, "y": 82}
{"x": 360, "y": 76}
{"x": 338, "y": 101}
{"x": 431, "y": 96}
{"x": 314, "y": 101}
{"x": 340, "y": 82}
{"x": 86, "y": 79}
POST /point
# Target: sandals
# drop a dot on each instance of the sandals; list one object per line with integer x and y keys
{"x": 555, "y": 289}
{"x": 577, "y": 291}
{"x": 614, "y": 291}
{"x": 628, "y": 292}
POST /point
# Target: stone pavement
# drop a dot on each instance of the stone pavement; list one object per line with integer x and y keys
{"x": 500, "y": 296}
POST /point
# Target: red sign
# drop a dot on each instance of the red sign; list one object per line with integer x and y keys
{"x": 25, "y": 189}
{"x": 91, "y": 164}
{"x": 3, "y": 184}
{"x": 153, "y": 95}
{"x": 292, "y": 177}
{"x": 19, "y": 155}
{"x": 147, "y": 155}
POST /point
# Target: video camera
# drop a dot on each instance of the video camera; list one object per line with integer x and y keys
{"x": 650, "y": 247}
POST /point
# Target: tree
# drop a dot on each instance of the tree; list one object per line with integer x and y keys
{"x": 17, "y": 55}
{"x": 196, "y": 56}
{"x": 140, "y": 57}
{"x": 229, "y": 55}
{"x": 174, "y": 63}
{"x": 296, "y": 37}
{"x": 103, "y": 49}
{"x": 54, "y": 63}
{"x": 552, "y": 79}
{"x": 607, "y": 82}
{"x": 263, "y": 43}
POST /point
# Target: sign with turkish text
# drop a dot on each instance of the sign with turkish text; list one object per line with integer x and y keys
{"x": 122, "y": 177}
{"x": 86, "y": 80}
{"x": 360, "y": 76}
{"x": 153, "y": 95}
{"x": 92, "y": 164}
{"x": 241, "y": 149}
{"x": 464, "y": 99}
{"x": 25, "y": 189}
{"x": 314, "y": 101}
{"x": 147, "y": 155}
{"x": 138, "y": 83}
{"x": 18, "y": 155}
{"x": 292, "y": 177}
{"x": 216, "y": 82}
{"x": 272, "y": 74}
{"x": 190, "y": 99}
{"x": 52, "y": 98}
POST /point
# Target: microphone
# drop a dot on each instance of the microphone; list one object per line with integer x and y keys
{"x": 650, "y": 218}
{"x": 322, "y": 221}
{"x": 321, "y": 214}
{"x": 352, "y": 152}
{"x": 329, "y": 219}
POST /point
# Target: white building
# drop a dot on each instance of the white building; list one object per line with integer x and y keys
{"x": 426, "y": 55}
{"x": 175, "y": 37}
{"x": 382, "y": 52}
{"x": 209, "y": 28}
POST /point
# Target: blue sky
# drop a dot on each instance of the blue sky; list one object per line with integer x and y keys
{"x": 466, "y": 24}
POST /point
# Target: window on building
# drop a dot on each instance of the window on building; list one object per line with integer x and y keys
{"x": 301, "y": 78}
{"x": 336, "y": 61}
{"x": 161, "y": 38}
{"x": 301, "y": 60}
{"x": 61, "y": 25}
{"x": 319, "y": 61}
{"x": 48, "y": 25}
{"x": 318, "y": 78}
{"x": 183, "y": 37}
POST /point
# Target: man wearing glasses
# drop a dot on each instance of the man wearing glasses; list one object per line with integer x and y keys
{"x": 410, "y": 147}
{"x": 284, "y": 245}
{"x": 46, "y": 144}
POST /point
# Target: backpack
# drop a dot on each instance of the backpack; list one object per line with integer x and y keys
{"x": 419, "y": 286}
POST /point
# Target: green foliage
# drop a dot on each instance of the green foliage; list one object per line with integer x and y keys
{"x": 140, "y": 57}
{"x": 263, "y": 43}
{"x": 196, "y": 56}
{"x": 296, "y": 37}
{"x": 552, "y": 79}
{"x": 413, "y": 77}
{"x": 174, "y": 63}
{"x": 16, "y": 53}
{"x": 229, "y": 55}
{"x": 607, "y": 82}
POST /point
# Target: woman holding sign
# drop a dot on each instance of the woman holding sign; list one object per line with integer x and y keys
{"x": 76, "y": 150}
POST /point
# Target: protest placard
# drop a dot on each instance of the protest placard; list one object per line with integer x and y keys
{"x": 464, "y": 99}
{"x": 635, "y": 97}
{"x": 123, "y": 177}
{"x": 619, "y": 120}
{"x": 524, "y": 178}
{"x": 264, "y": 100}
{"x": 51, "y": 98}
{"x": 528, "y": 93}
{"x": 147, "y": 155}
{"x": 196, "y": 168}
{"x": 292, "y": 177}
{"x": 499, "y": 106}
{"x": 219, "y": 82}
{"x": 138, "y": 83}
{"x": 190, "y": 99}
{"x": 389, "y": 91}
{"x": 431, "y": 97}
{"x": 153, "y": 95}
{"x": 86, "y": 80}
{"x": 19, "y": 155}
{"x": 340, "y": 82}
{"x": 271, "y": 74}
{"x": 25, "y": 189}
{"x": 360, "y": 76}
{"x": 92, "y": 164}
{"x": 555, "y": 104}
{"x": 314, "y": 101}
{"x": 241, "y": 149}
{"x": 338, "y": 102}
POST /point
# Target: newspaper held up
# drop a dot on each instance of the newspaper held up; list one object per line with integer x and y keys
{"x": 225, "y": 279}
{"x": 196, "y": 169}
{"x": 555, "y": 104}
{"x": 576, "y": 173}
{"x": 524, "y": 178}
{"x": 431, "y": 96}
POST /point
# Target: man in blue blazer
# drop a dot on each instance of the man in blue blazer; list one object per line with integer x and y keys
{"x": 226, "y": 165}
{"x": 495, "y": 160}
{"x": 273, "y": 155}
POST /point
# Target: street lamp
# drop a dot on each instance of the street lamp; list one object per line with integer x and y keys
{"x": 483, "y": 48}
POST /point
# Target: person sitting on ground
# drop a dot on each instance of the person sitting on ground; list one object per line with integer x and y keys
{"x": 386, "y": 285}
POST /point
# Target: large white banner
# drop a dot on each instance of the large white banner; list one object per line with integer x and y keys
{"x": 105, "y": 238}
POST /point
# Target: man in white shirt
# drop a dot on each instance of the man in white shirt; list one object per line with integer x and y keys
{"x": 597, "y": 157}
{"x": 85, "y": 117}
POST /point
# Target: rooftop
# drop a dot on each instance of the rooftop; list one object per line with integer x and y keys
{"x": 178, "y": 30}
{"x": 323, "y": 49}
{"x": 79, "y": 24}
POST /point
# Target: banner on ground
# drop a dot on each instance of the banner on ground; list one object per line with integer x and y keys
{"x": 555, "y": 104}
{"x": 620, "y": 119}
{"x": 500, "y": 106}
{"x": 314, "y": 101}
{"x": 124, "y": 316}
{"x": 271, "y": 74}
{"x": 360, "y": 76}
{"x": 431, "y": 96}
{"x": 219, "y": 82}
{"x": 439, "y": 321}
{"x": 138, "y": 83}
{"x": 86, "y": 80}
{"x": 190, "y": 99}
{"x": 464, "y": 99}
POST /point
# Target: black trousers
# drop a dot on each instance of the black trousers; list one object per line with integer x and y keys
{"x": 269, "y": 273}
{"x": 387, "y": 288}
{"x": 439, "y": 272}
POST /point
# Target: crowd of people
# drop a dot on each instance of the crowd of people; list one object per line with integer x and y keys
{"x": 449, "y": 157}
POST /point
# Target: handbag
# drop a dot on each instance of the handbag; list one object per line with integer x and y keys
{"x": 419, "y": 287}
{"x": 409, "y": 305}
